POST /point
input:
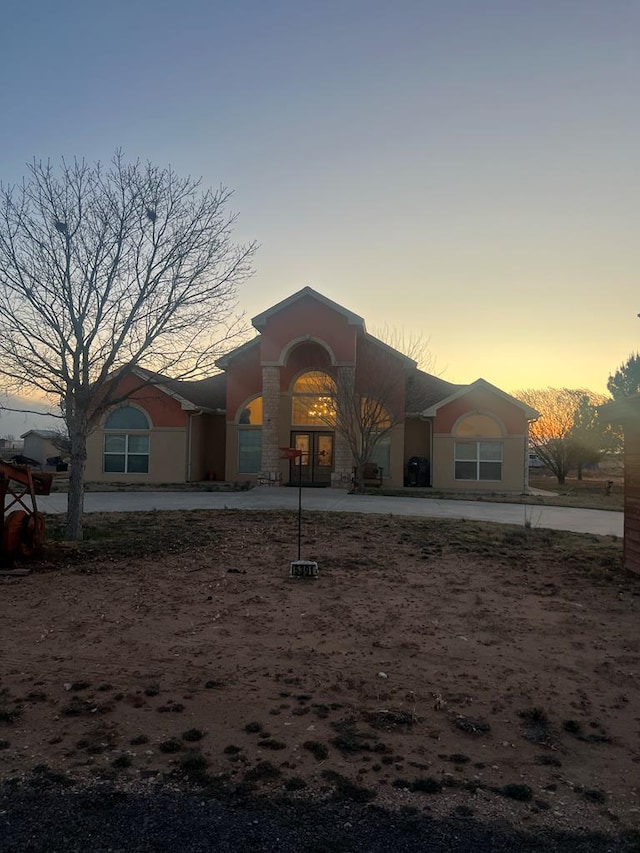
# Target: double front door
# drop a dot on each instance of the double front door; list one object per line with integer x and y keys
{"x": 315, "y": 465}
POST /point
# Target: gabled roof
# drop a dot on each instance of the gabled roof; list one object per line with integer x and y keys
{"x": 41, "y": 433}
{"x": 208, "y": 393}
{"x": 425, "y": 390}
{"x": 202, "y": 394}
{"x": 480, "y": 385}
{"x": 409, "y": 362}
{"x": 224, "y": 360}
{"x": 260, "y": 320}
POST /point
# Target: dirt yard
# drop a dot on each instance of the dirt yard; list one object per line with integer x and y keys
{"x": 441, "y": 667}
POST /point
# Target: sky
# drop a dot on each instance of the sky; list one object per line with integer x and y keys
{"x": 463, "y": 170}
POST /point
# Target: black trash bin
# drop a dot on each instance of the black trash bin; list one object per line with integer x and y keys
{"x": 418, "y": 471}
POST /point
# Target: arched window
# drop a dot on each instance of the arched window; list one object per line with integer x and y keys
{"x": 126, "y": 441}
{"x": 251, "y": 413}
{"x": 480, "y": 425}
{"x": 313, "y": 400}
{"x": 479, "y": 459}
{"x": 250, "y": 437}
{"x": 127, "y": 417}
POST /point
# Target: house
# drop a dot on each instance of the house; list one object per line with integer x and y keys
{"x": 627, "y": 413}
{"x": 233, "y": 426}
{"x": 41, "y": 444}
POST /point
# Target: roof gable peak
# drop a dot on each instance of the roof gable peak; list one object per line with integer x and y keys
{"x": 260, "y": 320}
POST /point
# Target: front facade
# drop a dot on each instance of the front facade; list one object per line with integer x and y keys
{"x": 290, "y": 387}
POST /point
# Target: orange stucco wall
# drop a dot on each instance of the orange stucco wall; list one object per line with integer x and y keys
{"x": 244, "y": 379}
{"x": 163, "y": 410}
{"x": 513, "y": 418}
{"x": 310, "y": 317}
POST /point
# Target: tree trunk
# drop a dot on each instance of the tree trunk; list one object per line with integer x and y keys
{"x": 579, "y": 470}
{"x": 75, "y": 500}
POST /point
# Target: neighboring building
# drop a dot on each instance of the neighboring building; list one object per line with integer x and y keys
{"x": 627, "y": 413}
{"x": 232, "y": 427}
{"x": 40, "y": 445}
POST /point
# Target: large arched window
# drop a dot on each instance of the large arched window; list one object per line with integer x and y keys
{"x": 478, "y": 450}
{"x": 250, "y": 437}
{"x": 126, "y": 441}
{"x": 313, "y": 400}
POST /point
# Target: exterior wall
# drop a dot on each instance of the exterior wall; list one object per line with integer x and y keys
{"x": 167, "y": 458}
{"x": 196, "y": 444}
{"x": 231, "y": 454}
{"x": 309, "y": 318}
{"x": 512, "y": 416}
{"x": 244, "y": 380}
{"x": 514, "y": 441}
{"x": 207, "y": 447}
{"x": 513, "y": 467}
{"x": 396, "y": 479}
{"x": 632, "y": 496}
{"x": 39, "y": 448}
{"x": 168, "y": 438}
{"x": 215, "y": 447}
{"x": 417, "y": 442}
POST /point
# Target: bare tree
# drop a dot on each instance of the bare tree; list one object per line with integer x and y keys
{"x": 412, "y": 344}
{"x": 559, "y": 436}
{"x": 364, "y": 403}
{"x": 107, "y": 269}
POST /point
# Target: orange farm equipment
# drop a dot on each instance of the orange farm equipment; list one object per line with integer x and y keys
{"x": 22, "y": 524}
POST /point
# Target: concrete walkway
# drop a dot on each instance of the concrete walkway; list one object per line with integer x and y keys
{"x": 601, "y": 522}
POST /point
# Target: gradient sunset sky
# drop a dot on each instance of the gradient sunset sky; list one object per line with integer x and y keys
{"x": 464, "y": 169}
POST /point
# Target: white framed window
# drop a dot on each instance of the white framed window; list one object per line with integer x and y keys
{"x": 478, "y": 460}
{"x": 126, "y": 452}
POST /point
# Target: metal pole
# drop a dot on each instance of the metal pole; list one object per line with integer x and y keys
{"x": 299, "y": 503}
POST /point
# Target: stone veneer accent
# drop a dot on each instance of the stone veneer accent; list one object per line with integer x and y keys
{"x": 342, "y": 458}
{"x": 270, "y": 418}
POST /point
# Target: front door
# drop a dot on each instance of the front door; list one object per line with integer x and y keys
{"x": 315, "y": 465}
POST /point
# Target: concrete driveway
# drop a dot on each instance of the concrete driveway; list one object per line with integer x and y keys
{"x": 601, "y": 522}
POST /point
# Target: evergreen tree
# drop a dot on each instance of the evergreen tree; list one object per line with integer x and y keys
{"x": 626, "y": 380}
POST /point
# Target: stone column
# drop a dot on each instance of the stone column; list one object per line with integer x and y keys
{"x": 270, "y": 422}
{"x": 342, "y": 458}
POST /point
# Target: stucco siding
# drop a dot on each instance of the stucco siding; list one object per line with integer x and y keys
{"x": 417, "y": 439}
{"x": 167, "y": 458}
{"x": 513, "y": 469}
{"x": 396, "y": 479}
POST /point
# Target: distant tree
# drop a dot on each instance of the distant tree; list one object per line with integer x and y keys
{"x": 563, "y": 436}
{"x": 626, "y": 380}
{"x": 590, "y": 435}
{"x": 412, "y": 344}
{"x": 103, "y": 270}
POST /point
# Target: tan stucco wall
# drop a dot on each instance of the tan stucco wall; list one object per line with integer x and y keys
{"x": 417, "y": 438}
{"x": 167, "y": 458}
{"x": 513, "y": 467}
{"x": 396, "y": 480}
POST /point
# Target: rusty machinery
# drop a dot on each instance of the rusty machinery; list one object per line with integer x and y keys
{"x": 23, "y": 527}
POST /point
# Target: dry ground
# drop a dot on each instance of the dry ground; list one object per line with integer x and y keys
{"x": 440, "y": 666}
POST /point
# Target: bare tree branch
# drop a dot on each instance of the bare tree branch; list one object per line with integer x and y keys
{"x": 104, "y": 270}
